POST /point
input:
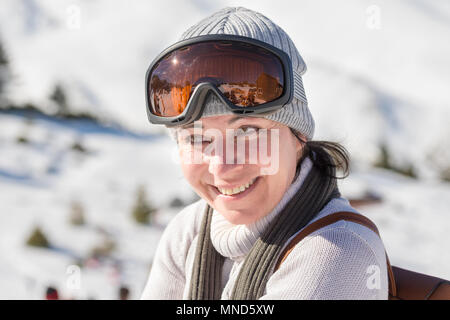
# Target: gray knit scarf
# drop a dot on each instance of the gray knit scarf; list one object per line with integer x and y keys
{"x": 315, "y": 192}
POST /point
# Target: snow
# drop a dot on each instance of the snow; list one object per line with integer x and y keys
{"x": 103, "y": 181}
{"x": 378, "y": 72}
{"x": 412, "y": 218}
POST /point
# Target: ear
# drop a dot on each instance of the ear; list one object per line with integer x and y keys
{"x": 300, "y": 142}
{"x": 299, "y": 145}
{"x": 299, "y": 150}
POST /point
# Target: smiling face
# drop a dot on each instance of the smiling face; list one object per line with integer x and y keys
{"x": 242, "y": 191}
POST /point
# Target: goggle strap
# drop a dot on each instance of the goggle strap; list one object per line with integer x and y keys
{"x": 299, "y": 91}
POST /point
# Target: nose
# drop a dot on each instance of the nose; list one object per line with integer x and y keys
{"x": 223, "y": 170}
{"x": 225, "y": 173}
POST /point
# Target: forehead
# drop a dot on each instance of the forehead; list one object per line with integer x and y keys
{"x": 231, "y": 121}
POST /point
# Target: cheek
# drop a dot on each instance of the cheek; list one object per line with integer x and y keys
{"x": 288, "y": 151}
{"x": 288, "y": 156}
{"x": 190, "y": 170}
{"x": 278, "y": 150}
{"x": 192, "y": 173}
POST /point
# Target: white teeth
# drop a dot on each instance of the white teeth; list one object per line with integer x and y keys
{"x": 236, "y": 190}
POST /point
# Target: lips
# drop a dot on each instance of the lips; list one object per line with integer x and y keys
{"x": 236, "y": 190}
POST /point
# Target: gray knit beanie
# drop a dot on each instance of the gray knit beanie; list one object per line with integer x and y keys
{"x": 245, "y": 22}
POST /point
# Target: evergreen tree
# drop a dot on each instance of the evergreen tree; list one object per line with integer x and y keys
{"x": 176, "y": 203}
{"x": 77, "y": 214}
{"x": 384, "y": 161}
{"x": 59, "y": 97}
{"x": 142, "y": 210}
{"x": 38, "y": 239}
{"x": 105, "y": 248}
{"x": 4, "y": 74}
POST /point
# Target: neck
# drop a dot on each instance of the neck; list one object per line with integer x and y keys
{"x": 235, "y": 241}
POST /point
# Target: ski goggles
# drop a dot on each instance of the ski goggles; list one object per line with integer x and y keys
{"x": 249, "y": 76}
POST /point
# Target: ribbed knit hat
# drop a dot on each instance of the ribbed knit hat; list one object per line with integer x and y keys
{"x": 248, "y": 23}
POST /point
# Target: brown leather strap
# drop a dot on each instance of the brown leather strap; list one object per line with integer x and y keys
{"x": 330, "y": 219}
{"x": 412, "y": 285}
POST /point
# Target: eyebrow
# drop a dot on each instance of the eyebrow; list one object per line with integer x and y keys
{"x": 232, "y": 120}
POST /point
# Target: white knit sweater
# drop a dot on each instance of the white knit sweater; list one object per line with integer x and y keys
{"x": 341, "y": 261}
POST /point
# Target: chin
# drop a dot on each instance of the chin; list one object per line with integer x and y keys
{"x": 238, "y": 216}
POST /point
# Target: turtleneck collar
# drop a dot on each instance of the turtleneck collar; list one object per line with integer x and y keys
{"x": 235, "y": 241}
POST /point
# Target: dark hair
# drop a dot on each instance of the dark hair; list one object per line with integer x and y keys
{"x": 325, "y": 154}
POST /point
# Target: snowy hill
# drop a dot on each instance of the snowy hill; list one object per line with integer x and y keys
{"x": 376, "y": 70}
{"x": 40, "y": 179}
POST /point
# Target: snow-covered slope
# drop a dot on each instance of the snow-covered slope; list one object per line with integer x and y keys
{"x": 378, "y": 71}
{"x": 40, "y": 179}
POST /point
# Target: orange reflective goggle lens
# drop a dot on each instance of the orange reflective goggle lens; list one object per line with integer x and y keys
{"x": 247, "y": 75}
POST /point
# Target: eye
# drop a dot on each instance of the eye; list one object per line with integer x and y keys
{"x": 193, "y": 139}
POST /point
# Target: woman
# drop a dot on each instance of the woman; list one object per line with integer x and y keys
{"x": 235, "y": 77}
